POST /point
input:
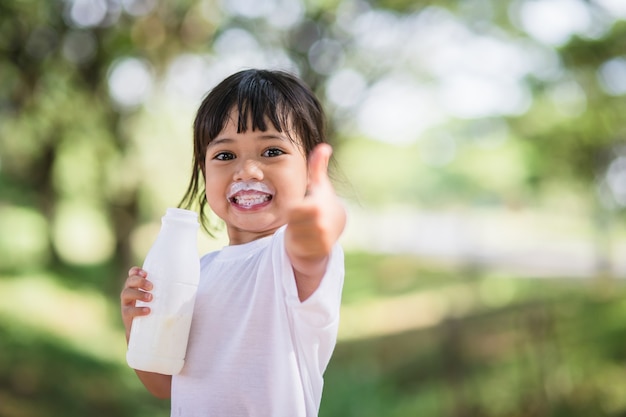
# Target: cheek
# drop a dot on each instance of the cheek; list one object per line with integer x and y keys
{"x": 214, "y": 188}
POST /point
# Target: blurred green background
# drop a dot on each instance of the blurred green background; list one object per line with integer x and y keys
{"x": 481, "y": 147}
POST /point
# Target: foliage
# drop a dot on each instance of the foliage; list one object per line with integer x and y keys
{"x": 82, "y": 151}
{"x": 531, "y": 359}
{"x": 41, "y": 376}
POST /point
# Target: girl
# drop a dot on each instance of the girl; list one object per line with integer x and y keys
{"x": 267, "y": 309}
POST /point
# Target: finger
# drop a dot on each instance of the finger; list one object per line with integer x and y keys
{"x": 136, "y": 281}
{"x": 131, "y": 312}
{"x": 135, "y": 270}
{"x": 131, "y": 295}
{"x": 318, "y": 165}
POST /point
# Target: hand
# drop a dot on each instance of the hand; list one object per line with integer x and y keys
{"x": 136, "y": 288}
{"x": 315, "y": 225}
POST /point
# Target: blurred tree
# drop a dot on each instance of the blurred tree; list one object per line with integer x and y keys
{"x": 79, "y": 77}
{"x": 580, "y": 147}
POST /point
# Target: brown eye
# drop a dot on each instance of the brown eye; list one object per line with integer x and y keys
{"x": 224, "y": 156}
{"x": 272, "y": 152}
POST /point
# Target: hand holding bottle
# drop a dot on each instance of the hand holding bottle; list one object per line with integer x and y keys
{"x": 136, "y": 288}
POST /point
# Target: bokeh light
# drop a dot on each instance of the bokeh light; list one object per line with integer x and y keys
{"x": 130, "y": 82}
{"x": 81, "y": 234}
{"x": 612, "y": 76}
{"x": 24, "y": 238}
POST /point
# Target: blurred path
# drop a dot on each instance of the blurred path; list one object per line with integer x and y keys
{"x": 519, "y": 242}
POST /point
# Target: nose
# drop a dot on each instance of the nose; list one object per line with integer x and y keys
{"x": 248, "y": 169}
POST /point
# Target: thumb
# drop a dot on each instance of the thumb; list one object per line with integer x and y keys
{"x": 318, "y": 165}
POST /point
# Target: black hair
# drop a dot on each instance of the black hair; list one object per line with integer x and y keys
{"x": 259, "y": 96}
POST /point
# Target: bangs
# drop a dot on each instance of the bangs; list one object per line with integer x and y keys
{"x": 256, "y": 99}
{"x": 260, "y": 97}
{"x": 257, "y": 102}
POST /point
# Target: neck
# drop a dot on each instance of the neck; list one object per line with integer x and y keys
{"x": 240, "y": 237}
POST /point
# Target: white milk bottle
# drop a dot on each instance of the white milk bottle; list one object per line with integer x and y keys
{"x": 158, "y": 341}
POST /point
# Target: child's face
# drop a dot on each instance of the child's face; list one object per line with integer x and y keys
{"x": 252, "y": 179}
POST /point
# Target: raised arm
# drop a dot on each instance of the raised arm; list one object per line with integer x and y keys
{"x": 314, "y": 226}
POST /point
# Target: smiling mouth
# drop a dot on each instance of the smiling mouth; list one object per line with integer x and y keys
{"x": 249, "y": 194}
{"x": 249, "y": 199}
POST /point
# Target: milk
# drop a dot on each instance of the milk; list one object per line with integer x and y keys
{"x": 158, "y": 341}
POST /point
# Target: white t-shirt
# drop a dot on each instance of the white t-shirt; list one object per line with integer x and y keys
{"x": 254, "y": 348}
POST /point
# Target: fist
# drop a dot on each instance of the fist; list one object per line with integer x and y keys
{"x": 315, "y": 225}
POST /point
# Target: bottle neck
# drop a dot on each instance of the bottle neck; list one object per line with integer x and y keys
{"x": 180, "y": 218}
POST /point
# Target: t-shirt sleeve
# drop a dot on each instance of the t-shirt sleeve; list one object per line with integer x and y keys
{"x": 321, "y": 309}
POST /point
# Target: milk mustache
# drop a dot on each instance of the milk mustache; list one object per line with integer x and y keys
{"x": 158, "y": 341}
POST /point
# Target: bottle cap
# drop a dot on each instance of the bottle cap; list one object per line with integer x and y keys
{"x": 182, "y": 215}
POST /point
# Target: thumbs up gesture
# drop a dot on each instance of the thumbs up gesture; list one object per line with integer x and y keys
{"x": 315, "y": 225}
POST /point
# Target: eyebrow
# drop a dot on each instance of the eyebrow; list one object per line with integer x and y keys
{"x": 226, "y": 140}
{"x": 216, "y": 142}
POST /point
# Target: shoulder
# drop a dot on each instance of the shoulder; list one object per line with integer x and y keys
{"x": 206, "y": 259}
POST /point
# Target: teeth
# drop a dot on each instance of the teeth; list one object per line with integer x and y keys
{"x": 249, "y": 200}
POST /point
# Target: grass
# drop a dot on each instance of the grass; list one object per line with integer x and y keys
{"x": 540, "y": 348}
{"x": 417, "y": 338}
